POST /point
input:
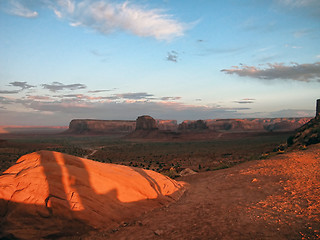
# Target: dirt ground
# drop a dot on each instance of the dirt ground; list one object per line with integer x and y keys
{"x": 276, "y": 198}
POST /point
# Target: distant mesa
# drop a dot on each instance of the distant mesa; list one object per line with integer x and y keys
{"x": 147, "y": 127}
{"x": 50, "y": 195}
{"x": 146, "y": 123}
{"x": 82, "y": 126}
{"x": 167, "y": 125}
{"x": 193, "y": 125}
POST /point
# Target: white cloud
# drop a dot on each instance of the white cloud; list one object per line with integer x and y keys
{"x": 299, "y": 72}
{"x": 18, "y": 9}
{"x": 107, "y": 17}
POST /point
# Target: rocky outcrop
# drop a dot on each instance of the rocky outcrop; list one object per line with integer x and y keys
{"x": 51, "y": 195}
{"x": 193, "y": 125}
{"x": 101, "y": 126}
{"x": 306, "y": 135}
{"x": 167, "y": 125}
{"x": 146, "y": 123}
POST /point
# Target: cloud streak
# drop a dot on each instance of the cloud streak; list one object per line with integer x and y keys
{"x": 9, "y": 91}
{"x": 245, "y": 101}
{"x": 298, "y": 72}
{"x": 18, "y": 9}
{"x": 134, "y": 96}
{"x": 22, "y": 85}
{"x": 57, "y": 86}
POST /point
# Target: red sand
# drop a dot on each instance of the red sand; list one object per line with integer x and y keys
{"x": 276, "y": 198}
{"x": 53, "y": 194}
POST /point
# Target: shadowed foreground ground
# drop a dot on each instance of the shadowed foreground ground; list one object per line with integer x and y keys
{"x": 277, "y": 198}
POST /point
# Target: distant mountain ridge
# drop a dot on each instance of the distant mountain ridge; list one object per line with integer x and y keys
{"x": 80, "y": 126}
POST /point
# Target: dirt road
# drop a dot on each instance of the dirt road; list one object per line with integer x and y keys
{"x": 277, "y": 198}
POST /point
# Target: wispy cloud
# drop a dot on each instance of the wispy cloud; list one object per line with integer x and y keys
{"x": 4, "y": 100}
{"x": 298, "y": 72}
{"x": 302, "y": 33}
{"x": 207, "y": 50}
{"x": 251, "y": 24}
{"x": 172, "y": 56}
{"x": 134, "y": 96}
{"x": 99, "y": 91}
{"x": 9, "y": 91}
{"x": 17, "y": 8}
{"x": 107, "y": 17}
{"x": 46, "y": 98}
{"x": 308, "y": 7}
{"x": 65, "y": 110}
{"x": 57, "y": 86}
{"x": 245, "y": 101}
{"x": 22, "y": 85}
{"x": 170, "y": 98}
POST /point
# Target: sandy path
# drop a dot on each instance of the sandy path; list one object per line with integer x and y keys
{"x": 278, "y": 198}
{"x": 90, "y": 154}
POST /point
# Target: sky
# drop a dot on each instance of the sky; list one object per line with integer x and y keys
{"x": 170, "y": 59}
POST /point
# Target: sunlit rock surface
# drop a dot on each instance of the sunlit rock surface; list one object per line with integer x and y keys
{"x": 50, "y": 194}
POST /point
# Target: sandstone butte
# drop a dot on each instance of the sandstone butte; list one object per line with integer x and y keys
{"x": 49, "y": 194}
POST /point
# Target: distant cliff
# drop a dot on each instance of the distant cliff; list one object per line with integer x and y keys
{"x": 82, "y": 126}
{"x": 101, "y": 126}
{"x": 167, "y": 125}
{"x": 238, "y": 125}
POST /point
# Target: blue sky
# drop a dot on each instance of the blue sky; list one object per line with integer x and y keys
{"x": 170, "y": 59}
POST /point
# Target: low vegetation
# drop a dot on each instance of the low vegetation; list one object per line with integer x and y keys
{"x": 166, "y": 157}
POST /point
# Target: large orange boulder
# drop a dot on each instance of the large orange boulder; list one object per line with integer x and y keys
{"x": 50, "y": 194}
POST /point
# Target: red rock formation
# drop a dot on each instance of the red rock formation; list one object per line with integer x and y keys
{"x": 101, "y": 126}
{"x": 146, "y": 123}
{"x": 50, "y": 194}
{"x": 193, "y": 125}
{"x": 167, "y": 125}
{"x": 258, "y": 124}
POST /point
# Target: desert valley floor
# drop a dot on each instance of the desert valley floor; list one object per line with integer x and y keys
{"x": 277, "y": 198}
{"x": 244, "y": 187}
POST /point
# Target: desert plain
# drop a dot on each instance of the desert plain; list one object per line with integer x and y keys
{"x": 232, "y": 185}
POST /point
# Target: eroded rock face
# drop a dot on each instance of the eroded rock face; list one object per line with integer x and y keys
{"x": 307, "y": 134}
{"x": 49, "y": 194}
{"x": 167, "y": 125}
{"x": 101, "y": 126}
{"x": 257, "y": 124}
{"x": 146, "y": 123}
{"x": 193, "y": 125}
